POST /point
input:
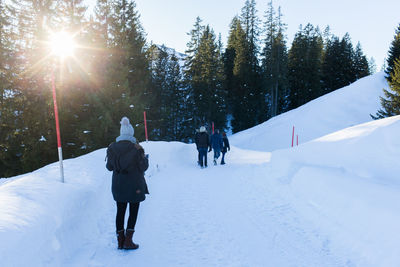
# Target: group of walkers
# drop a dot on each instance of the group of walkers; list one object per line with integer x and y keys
{"x": 204, "y": 143}
{"x": 128, "y": 162}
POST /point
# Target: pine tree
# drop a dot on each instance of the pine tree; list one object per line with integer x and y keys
{"x": 256, "y": 99}
{"x": 71, "y": 14}
{"x": 204, "y": 78}
{"x": 236, "y": 57}
{"x": 391, "y": 102}
{"x": 250, "y": 23}
{"x": 10, "y": 99}
{"x": 246, "y": 99}
{"x": 193, "y": 44}
{"x": 100, "y": 130}
{"x": 159, "y": 91}
{"x": 274, "y": 63}
{"x": 211, "y": 95}
{"x": 348, "y": 73}
{"x": 191, "y": 73}
{"x": 73, "y": 80}
{"x": 107, "y": 78}
{"x": 341, "y": 64}
{"x": 361, "y": 65}
{"x": 371, "y": 65}
{"x": 37, "y": 138}
{"x": 331, "y": 65}
{"x": 305, "y": 58}
{"x": 129, "y": 74}
{"x": 229, "y": 61}
{"x": 175, "y": 99}
{"x": 393, "y": 54}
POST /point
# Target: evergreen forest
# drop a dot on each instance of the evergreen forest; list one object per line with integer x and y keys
{"x": 116, "y": 72}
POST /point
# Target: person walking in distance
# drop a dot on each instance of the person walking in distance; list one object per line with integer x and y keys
{"x": 127, "y": 161}
{"x": 196, "y": 137}
{"x": 216, "y": 143}
{"x": 202, "y": 143}
{"x": 225, "y": 147}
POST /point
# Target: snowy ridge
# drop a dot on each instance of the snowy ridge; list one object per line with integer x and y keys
{"x": 345, "y": 107}
{"x": 332, "y": 201}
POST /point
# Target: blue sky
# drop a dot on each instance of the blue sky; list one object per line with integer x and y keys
{"x": 371, "y": 22}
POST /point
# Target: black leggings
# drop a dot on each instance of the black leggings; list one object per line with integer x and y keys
{"x": 133, "y": 212}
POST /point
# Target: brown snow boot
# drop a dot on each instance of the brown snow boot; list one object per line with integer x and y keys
{"x": 121, "y": 238}
{"x": 128, "y": 243}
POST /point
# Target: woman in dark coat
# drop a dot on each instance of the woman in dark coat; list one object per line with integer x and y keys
{"x": 203, "y": 143}
{"x": 225, "y": 147}
{"x": 127, "y": 161}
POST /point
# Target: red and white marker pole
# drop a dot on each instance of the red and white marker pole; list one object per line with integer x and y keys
{"x": 213, "y": 127}
{"x": 145, "y": 126}
{"x": 293, "y": 136}
{"x": 60, "y": 157}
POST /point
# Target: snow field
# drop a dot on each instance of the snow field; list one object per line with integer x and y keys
{"x": 331, "y": 201}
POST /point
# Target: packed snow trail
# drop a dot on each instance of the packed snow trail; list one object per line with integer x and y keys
{"x": 219, "y": 216}
{"x": 228, "y": 215}
{"x": 331, "y": 202}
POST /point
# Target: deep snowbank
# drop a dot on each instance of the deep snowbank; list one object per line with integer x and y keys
{"x": 345, "y": 107}
{"x": 347, "y": 183}
{"x": 44, "y": 222}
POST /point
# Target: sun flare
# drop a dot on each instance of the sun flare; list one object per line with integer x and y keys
{"x": 62, "y": 44}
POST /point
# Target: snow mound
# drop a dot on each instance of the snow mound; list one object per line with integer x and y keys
{"x": 347, "y": 184}
{"x": 345, "y": 107}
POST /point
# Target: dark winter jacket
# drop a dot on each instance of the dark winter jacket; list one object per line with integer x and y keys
{"x": 202, "y": 140}
{"x": 128, "y": 164}
{"x": 216, "y": 141}
{"x": 226, "y": 146}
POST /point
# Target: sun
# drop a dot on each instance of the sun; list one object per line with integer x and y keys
{"x": 62, "y": 44}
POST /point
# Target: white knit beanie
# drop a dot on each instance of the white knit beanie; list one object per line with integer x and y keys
{"x": 126, "y": 127}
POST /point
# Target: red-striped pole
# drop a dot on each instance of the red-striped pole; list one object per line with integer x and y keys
{"x": 213, "y": 127}
{"x": 293, "y": 136}
{"x": 145, "y": 126}
{"x": 60, "y": 157}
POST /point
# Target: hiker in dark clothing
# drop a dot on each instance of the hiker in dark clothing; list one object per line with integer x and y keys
{"x": 203, "y": 143}
{"x": 225, "y": 147}
{"x": 197, "y": 147}
{"x": 216, "y": 143}
{"x": 127, "y": 161}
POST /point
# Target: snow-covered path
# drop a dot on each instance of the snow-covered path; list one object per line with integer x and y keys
{"x": 228, "y": 215}
{"x": 329, "y": 202}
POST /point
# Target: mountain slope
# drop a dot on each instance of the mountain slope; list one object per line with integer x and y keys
{"x": 340, "y": 109}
